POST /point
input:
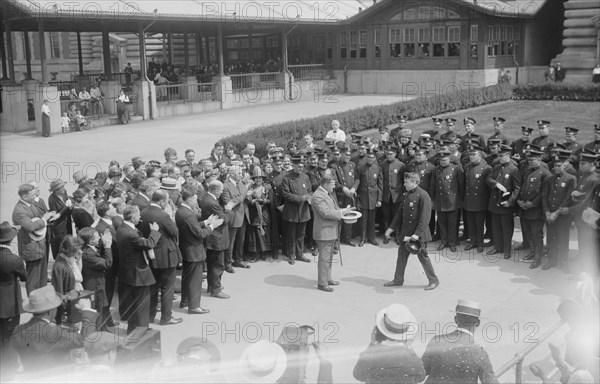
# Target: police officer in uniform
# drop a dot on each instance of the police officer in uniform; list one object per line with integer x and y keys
{"x": 435, "y": 132}
{"x": 477, "y": 196}
{"x": 369, "y": 187}
{"x": 530, "y": 206}
{"x": 393, "y": 171}
{"x": 499, "y": 131}
{"x": 449, "y": 134}
{"x": 344, "y": 171}
{"x": 424, "y": 169}
{"x": 594, "y": 146}
{"x": 555, "y": 196}
{"x": 572, "y": 145}
{"x": 544, "y": 141}
{"x": 395, "y": 133}
{"x": 518, "y": 146}
{"x": 469, "y": 123}
{"x": 410, "y": 223}
{"x": 505, "y": 184}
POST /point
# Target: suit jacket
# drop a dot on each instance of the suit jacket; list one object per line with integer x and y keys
{"x": 11, "y": 271}
{"x": 393, "y": 179}
{"x": 82, "y": 218}
{"x": 61, "y": 226}
{"x": 236, "y": 193}
{"x": 327, "y": 215}
{"x": 454, "y": 358}
{"x": 22, "y": 216}
{"x": 218, "y": 240}
{"x": 448, "y": 188}
{"x": 166, "y": 250}
{"x": 369, "y": 186}
{"x": 114, "y": 248}
{"x": 413, "y": 216}
{"x": 141, "y": 201}
{"x": 95, "y": 263}
{"x": 293, "y": 188}
{"x": 477, "y": 193}
{"x": 389, "y": 364}
{"x": 133, "y": 267}
{"x": 191, "y": 235}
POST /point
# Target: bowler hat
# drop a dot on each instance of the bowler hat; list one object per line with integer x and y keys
{"x": 42, "y": 300}
{"x": 263, "y": 362}
{"x": 7, "y": 233}
{"x": 395, "y": 322}
{"x": 55, "y": 184}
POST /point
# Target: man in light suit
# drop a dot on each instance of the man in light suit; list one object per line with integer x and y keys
{"x": 167, "y": 256}
{"x": 32, "y": 247}
{"x": 235, "y": 191}
{"x": 191, "y": 243}
{"x": 327, "y": 215}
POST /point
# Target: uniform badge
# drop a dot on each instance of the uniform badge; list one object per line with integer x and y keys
{"x": 374, "y": 175}
{"x": 410, "y": 204}
{"x": 304, "y": 185}
{"x": 422, "y": 173}
{"x": 447, "y": 177}
{"x": 477, "y": 175}
{"x": 506, "y": 176}
{"x": 395, "y": 171}
{"x": 350, "y": 173}
{"x": 562, "y": 185}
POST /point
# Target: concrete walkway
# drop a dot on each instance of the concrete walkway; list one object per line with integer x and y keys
{"x": 519, "y": 304}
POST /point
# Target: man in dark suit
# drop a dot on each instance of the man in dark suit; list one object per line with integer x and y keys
{"x": 477, "y": 195}
{"x": 218, "y": 241}
{"x": 235, "y": 191}
{"x": 411, "y": 222}
{"x": 344, "y": 171}
{"x": 191, "y": 243}
{"x": 106, "y": 212}
{"x": 167, "y": 256}
{"x": 135, "y": 275}
{"x": 455, "y": 358}
{"x": 369, "y": 187}
{"x": 147, "y": 189}
{"x": 32, "y": 246}
{"x": 59, "y": 202}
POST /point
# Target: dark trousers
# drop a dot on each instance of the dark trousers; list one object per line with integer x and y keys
{"x": 215, "y": 266}
{"x": 558, "y": 240}
{"x": 239, "y": 253}
{"x": 475, "y": 221}
{"x": 165, "y": 282}
{"x": 55, "y": 245}
{"x": 134, "y": 306}
{"x": 8, "y": 357}
{"x": 448, "y": 228}
{"x": 37, "y": 274}
{"x": 278, "y": 220}
{"x": 308, "y": 238}
{"x": 423, "y": 259}
{"x": 324, "y": 263}
{"x": 191, "y": 283}
{"x": 488, "y": 226}
{"x": 503, "y": 226}
{"x": 526, "y": 235}
{"x": 229, "y": 252}
{"x": 346, "y": 232}
{"x": 534, "y": 231}
{"x": 388, "y": 210}
{"x": 295, "y": 239}
{"x": 111, "y": 281}
{"x": 432, "y": 226}
{"x": 368, "y": 225}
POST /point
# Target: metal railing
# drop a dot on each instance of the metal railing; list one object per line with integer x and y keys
{"x": 64, "y": 87}
{"x": 254, "y": 81}
{"x": 310, "y": 71}
{"x": 95, "y": 109}
{"x": 192, "y": 92}
{"x": 517, "y": 361}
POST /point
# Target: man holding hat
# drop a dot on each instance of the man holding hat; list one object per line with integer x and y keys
{"x": 498, "y": 131}
{"x": 556, "y": 195}
{"x": 369, "y": 186}
{"x": 411, "y": 223}
{"x": 530, "y": 206}
{"x": 455, "y": 358}
{"x": 40, "y": 343}
{"x": 505, "y": 184}
{"x": 476, "y": 196}
{"x": 390, "y": 358}
{"x": 59, "y": 202}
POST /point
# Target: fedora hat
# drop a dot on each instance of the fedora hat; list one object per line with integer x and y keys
{"x": 413, "y": 246}
{"x": 258, "y": 172}
{"x": 40, "y": 234}
{"x": 168, "y": 183}
{"x": 42, "y": 300}
{"x": 7, "y": 233}
{"x": 55, "y": 184}
{"x": 187, "y": 347}
{"x": 79, "y": 177}
{"x": 468, "y": 307}
{"x": 395, "y": 322}
{"x": 263, "y": 362}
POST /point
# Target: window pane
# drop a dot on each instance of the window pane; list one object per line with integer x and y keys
{"x": 395, "y": 50}
{"x": 439, "y": 34}
{"x": 453, "y": 49}
{"x": 424, "y": 35}
{"x": 439, "y": 50}
{"x": 362, "y": 38}
{"x": 377, "y": 51}
{"x": 409, "y": 35}
{"x": 377, "y": 36}
{"x": 454, "y": 34}
{"x": 362, "y": 53}
{"x": 474, "y": 33}
{"x": 353, "y": 39}
{"x": 509, "y": 33}
{"x": 517, "y": 33}
{"x": 343, "y": 39}
{"x": 409, "y": 50}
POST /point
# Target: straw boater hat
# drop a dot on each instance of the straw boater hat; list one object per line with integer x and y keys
{"x": 186, "y": 348}
{"x": 40, "y": 233}
{"x": 263, "y": 362}
{"x": 395, "y": 322}
{"x": 42, "y": 300}
{"x": 7, "y": 233}
{"x": 168, "y": 183}
{"x": 468, "y": 307}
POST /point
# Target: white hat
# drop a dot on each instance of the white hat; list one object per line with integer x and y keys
{"x": 397, "y": 323}
{"x": 263, "y": 362}
{"x": 40, "y": 234}
{"x": 468, "y": 307}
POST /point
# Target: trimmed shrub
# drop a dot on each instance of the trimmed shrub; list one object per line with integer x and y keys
{"x": 360, "y": 119}
{"x": 557, "y": 91}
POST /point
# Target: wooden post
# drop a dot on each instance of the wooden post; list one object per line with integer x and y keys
{"x": 43, "y": 52}
{"x": 27, "y": 54}
{"x": 79, "y": 54}
{"x": 106, "y": 55}
{"x": 9, "y": 53}
{"x": 220, "y": 50}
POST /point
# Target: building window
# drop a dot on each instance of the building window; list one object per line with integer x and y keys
{"x": 474, "y": 38}
{"x": 233, "y": 55}
{"x": 396, "y": 42}
{"x": 453, "y": 41}
{"x": 409, "y": 42}
{"x": 54, "y": 45}
{"x": 231, "y": 44}
{"x": 272, "y": 42}
{"x": 353, "y": 44}
{"x": 362, "y": 44}
{"x": 257, "y": 43}
{"x": 330, "y": 45}
{"x": 439, "y": 41}
{"x": 377, "y": 42}
{"x": 424, "y": 40}
{"x": 503, "y": 42}
{"x": 344, "y": 44}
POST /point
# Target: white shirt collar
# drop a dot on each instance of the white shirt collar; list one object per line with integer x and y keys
{"x": 26, "y": 203}
{"x": 5, "y": 246}
{"x": 187, "y": 206}
{"x": 130, "y": 224}
{"x": 215, "y": 197}
{"x": 459, "y": 329}
{"x": 107, "y": 221}
{"x": 155, "y": 205}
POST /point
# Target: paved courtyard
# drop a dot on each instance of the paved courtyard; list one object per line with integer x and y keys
{"x": 519, "y": 304}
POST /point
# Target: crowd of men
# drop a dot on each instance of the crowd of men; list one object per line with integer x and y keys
{"x": 139, "y": 222}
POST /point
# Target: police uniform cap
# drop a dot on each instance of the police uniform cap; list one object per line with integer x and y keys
{"x": 391, "y": 148}
{"x": 383, "y": 128}
{"x": 450, "y": 121}
{"x": 437, "y": 120}
{"x": 470, "y": 120}
{"x": 571, "y": 130}
{"x": 498, "y": 119}
{"x": 558, "y": 146}
{"x": 526, "y": 129}
{"x": 444, "y": 152}
{"x": 371, "y": 151}
{"x": 503, "y": 148}
{"x": 474, "y": 148}
{"x": 402, "y": 117}
{"x": 543, "y": 122}
{"x": 591, "y": 157}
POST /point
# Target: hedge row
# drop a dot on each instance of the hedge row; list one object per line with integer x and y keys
{"x": 557, "y": 91}
{"x": 360, "y": 119}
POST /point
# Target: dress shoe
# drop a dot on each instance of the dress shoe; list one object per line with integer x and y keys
{"x": 507, "y": 255}
{"x": 535, "y": 264}
{"x": 314, "y": 252}
{"x": 198, "y": 311}
{"x": 522, "y": 247}
{"x": 479, "y": 249}
{"x": 351, "y": 243}
{"x": 333, "y": 282}
{"x": 183, "y": 305}
{"x": 373, "y": 242}
{"x": 386, "y": 240}
{"x": 488, "y": 244}
{"x": 393, "y": 283}
{"x": 171, "y": 321}
{"x": 432, "y": 286}
{"x": 440, "y": 247}
{"x": 470, "y": 246}
{"x": 180, "y": 266}
{"x": 240, "y": 264}
{"x": 326, "y": 288}
{"x": 548, "y": 265}
{"x": 303, "y": 259}
{"x": 220, "y": 295}
{"x": 453, "y": 248}
{"x": 464, "y": 238}
{"x": 362, "y": 242}
{"x": 292, "y": 261}
{"x": 229, "y": 269}
{"x": 493, "y": 251}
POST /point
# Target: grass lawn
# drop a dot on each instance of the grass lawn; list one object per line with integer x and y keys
{"x": 581, "y": 115}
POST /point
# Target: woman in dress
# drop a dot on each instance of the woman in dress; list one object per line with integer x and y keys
{"x": 261, "y": 208}
{"x": 122, "y": 107}
{"x": 66, "y": 273}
